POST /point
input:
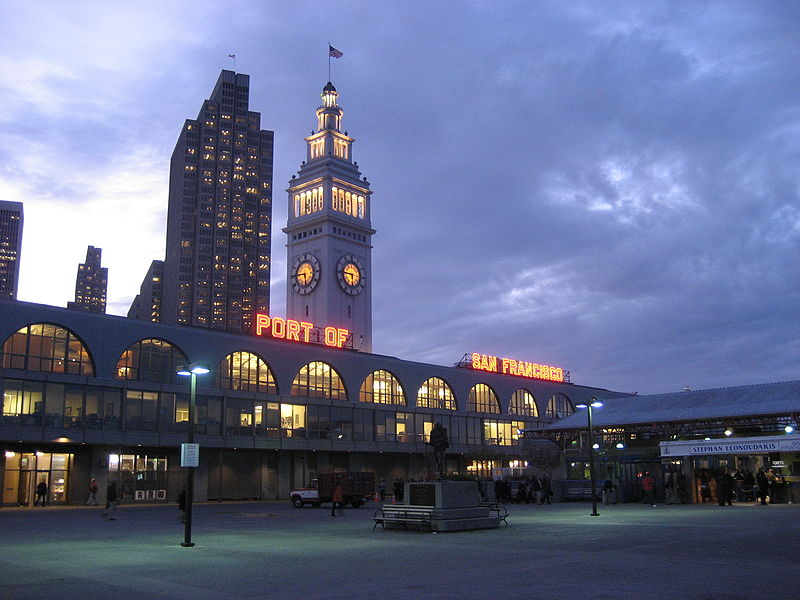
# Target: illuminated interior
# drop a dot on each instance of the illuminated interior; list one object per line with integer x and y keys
{"x": 436, "y": 393}
{"x": 309, "y": 201}
{"x": 381, "y": 387}
{"x": 46, "y": 347}
{"x": 559, "y": 406}
{"x": 318, "y": 380}
{"x": 523, "y": 403}
{"x": 245, "y": 371}
{"x": 153, "y": 360}
{"x": 482, "y": 398}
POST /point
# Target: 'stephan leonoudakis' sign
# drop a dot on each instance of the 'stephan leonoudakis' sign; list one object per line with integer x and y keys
{"x": 785, "y": 443}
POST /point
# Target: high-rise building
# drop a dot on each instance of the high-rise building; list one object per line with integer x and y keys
{"x": 329, "y": 245}
{"x": 10, "y": 247}
{"x": 217, "y": 265}
{"x": 91, "y": 283}
{"x": 146, "y": 305}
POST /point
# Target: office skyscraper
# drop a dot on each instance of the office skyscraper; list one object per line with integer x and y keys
{"x": 146, "y": 305}
{"x": 10, "y": 247}
{"x": 217, "y": 265}
{"x": 91, "y": 283}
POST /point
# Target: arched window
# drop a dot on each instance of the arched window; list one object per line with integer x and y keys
{"x": 523, "y": 403}
{"x": 152, "y": 360}
{"x": 319, "y": 380}
{"x": 245, "y": 371}
{"x": 382, "y": 387}
{"x": 435, "y": 393}
{"x": 559, "y": 407}
{"x": 47, "y": 347}
{"x": 483, "y": 399}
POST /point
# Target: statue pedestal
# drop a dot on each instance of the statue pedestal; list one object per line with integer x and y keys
{"x": 455, "y": 505}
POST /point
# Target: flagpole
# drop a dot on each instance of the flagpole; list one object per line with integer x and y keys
{"x": 329, "y": 61}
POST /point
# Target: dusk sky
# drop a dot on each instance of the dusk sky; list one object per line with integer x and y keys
{"x": 609, "y": 187}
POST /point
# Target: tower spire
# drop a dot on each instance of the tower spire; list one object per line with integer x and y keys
{"x": 329, "y": 233}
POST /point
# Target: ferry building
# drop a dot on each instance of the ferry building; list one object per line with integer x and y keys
{"x": 95, "y": 396}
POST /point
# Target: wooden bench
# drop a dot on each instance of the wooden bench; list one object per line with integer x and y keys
{"x": 579, "y": 490}
{"x": 403, "y": 515}
{"x": 498, "y": 508}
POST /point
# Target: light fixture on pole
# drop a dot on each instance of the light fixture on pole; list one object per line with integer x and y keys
{"x": 589, "y": 405}
{"x": 190, "y": 454}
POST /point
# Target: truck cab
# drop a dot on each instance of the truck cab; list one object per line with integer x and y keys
{"x": 307, "y": 495}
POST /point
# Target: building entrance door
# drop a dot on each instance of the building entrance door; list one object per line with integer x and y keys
{"x": 24, "y": 471}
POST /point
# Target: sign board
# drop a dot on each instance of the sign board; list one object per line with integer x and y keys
{"x": 301, "y": 331}
{"x": 510, "y": 366}
{"x": 756, "y": 445}
{"x": 190, "y": 455}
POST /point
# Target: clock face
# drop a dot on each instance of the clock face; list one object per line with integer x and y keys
{"x": 350, "y": 274}
{"x": 305, "y": 274}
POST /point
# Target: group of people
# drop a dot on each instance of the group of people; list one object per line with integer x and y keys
{"x": 676, "y": 488}
{"x": 535, "y": 489}
{"x": 766, "y": 483}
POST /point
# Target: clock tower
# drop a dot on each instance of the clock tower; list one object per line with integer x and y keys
{"x": 329, "y": 238}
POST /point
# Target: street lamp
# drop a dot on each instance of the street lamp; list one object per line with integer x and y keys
{"x": 589, "y": 405}
{"x": 191, "y": 371}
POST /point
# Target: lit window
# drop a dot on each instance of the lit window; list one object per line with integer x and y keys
{"x": 436, "y": 393}
{"x": 483, "y": 399}
{"x": 523, "y": 403}
{"x": 382, "y": 387}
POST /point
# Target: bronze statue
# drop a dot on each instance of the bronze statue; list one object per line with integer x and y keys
{"x": 440, "y": 442}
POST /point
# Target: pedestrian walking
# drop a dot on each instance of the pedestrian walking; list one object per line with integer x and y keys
{"x": 337, "y": 499}
{"x": 111, "y": 502}
{"x": 649, "y": 489}
{"x": 92, "y": 501}
{"x": 41, "y": 493}
{"x": 548, "y": 490}
{"x": 763, "y": 485}
{"x": 382, "y": 489}
{"x": 399, "y": 488}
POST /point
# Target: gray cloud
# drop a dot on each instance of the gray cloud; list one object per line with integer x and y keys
{"x": 611, "y": 188}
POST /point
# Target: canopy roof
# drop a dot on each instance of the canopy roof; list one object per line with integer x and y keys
{"x": 748, "y": 401}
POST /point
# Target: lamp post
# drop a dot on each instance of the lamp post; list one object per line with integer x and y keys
{"x": 192, "y": 371}
{"x": 589, "y": 405}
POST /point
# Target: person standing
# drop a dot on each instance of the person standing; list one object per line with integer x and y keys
{"x": 538, "y": 490}
{"x": 382, "y": 489}
{"x": 41, "y": 493}
{"x": 763, "y": 485}
{"x": 92, "y": 493}
{"x": 337, "y": 499}
{"x": 548, "y": 490}
{"x": 748, "y": 486}
{"x": 608, "y": 492}
{"x": 681, "y": 487}
{"x": 725, "y": 487}
{"x": 649, "y": 489}
{"x": 111, "y": 501}
{"x": 399, "y": 488}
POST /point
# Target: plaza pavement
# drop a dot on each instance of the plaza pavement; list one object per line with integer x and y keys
{"x": 255, "y": 550}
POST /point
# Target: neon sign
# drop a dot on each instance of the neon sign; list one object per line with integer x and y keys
{"x": 509, "y": 366}
{"x": 300, "y": 331}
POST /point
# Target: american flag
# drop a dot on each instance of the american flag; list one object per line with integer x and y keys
{"x": 334, "y": 52}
